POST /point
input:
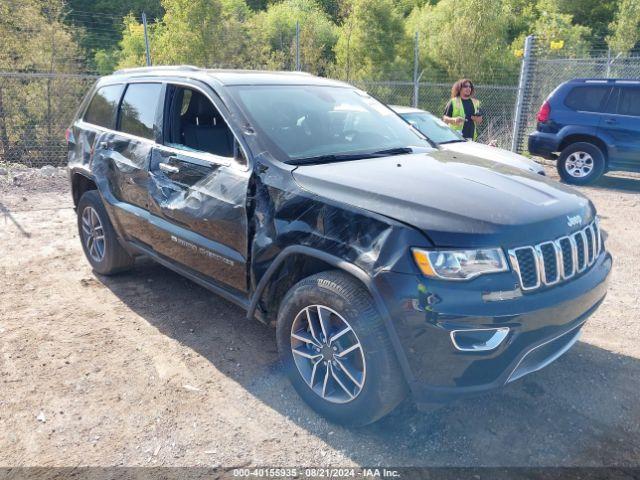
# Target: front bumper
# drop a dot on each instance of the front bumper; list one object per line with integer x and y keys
{"x": 542, "y": 325}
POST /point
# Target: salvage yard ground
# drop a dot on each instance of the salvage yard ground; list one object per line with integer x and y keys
{"x": 147, "y": 368}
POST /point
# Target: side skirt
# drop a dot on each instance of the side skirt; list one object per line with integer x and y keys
{"x": 195, "y": 277}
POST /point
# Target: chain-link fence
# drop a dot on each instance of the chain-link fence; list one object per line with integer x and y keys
{"x": 497, "y": 103}
{"x": 51, "y": 65}
{"x": 35, "y": 110}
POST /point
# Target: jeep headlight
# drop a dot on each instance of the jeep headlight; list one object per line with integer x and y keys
{"x": 459, "y": 264}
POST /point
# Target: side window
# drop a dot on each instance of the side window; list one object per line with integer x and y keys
{"x": 612, "y": 103}
{"x": 193, "y": 123}
{"x": 587, "y": 99}
{"x": 102, "y": 109}
{"x": 629, "y": 103}
{"x": 138, "y": 110}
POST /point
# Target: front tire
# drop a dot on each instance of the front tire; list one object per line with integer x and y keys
{"x": 336, "y": 351}
{"x": 581, "y": 163}
{"x": 99, "y": 240}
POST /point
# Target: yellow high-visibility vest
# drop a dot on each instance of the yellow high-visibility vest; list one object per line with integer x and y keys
{"x": 458, "y": 111}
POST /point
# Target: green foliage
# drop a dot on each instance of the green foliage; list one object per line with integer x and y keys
{"x": 556, "y": 34}
{"x": 106, "y": 61}
{"x": 331, "y": 8}
{"x": 370, "y": 39}
{"x": 405, "y": 7}
{"x": 99, "y": 26}
{"x": 521, "y": 15}
{"x": 625, "y": 30}
{"x": 274, "y": 36}
{"x": 207, "y": 33}
{"x": 464, "y": 38}
{"x": 35, "y": 41}
{"x": 595, "y": 14}
{"x": 132, "y": 46}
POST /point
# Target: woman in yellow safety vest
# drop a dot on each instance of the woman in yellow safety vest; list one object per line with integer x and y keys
{"x": 463, "y": 110}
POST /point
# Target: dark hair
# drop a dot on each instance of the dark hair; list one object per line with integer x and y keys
{"x": 455, "y": 90}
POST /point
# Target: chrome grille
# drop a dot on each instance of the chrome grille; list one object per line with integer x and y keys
{"x": 550, "y": 262}
{"x": 549, "y": 267}
{"x": 566, "y": 250}
{"x": 528, "y": 268}
{"x": 579, "y": 239}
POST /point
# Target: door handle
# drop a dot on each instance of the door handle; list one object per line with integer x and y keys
{"x": 610, "y": 121}
{"x": 166, "y": 168}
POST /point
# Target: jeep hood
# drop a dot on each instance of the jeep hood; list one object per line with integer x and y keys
{"x": 495, "y": 154}
{"x": 455, "y": 199}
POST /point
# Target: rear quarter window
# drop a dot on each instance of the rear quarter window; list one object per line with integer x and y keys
{"x": 138, "y": 109}
{"x": 587, "y": 99}
{"x": 102, "y": 108}
{"x": 629, "y": 103}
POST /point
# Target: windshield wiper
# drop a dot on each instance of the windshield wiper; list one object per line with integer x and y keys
{"x": 393, "y": 151}
{"x": 452, "y": 141}
{"x": 344, "y": 157}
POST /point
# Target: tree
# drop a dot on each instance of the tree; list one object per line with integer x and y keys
{"x": 132, "y": 51}
{"x": 464, "y": 38}
{"x": 595, "y": 14}
{"x": 625, "y": 30}
{"x": 556, "y": 33}
{"x": 370, "y": 40}
{"x": 34, "y": 111}
{"x": 99, "y": 27}
{"x": 274, "y": 36}
{"x": 207, "y": 33}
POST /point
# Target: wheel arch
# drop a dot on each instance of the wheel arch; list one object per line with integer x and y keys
{"x": 587, "y": 138}
{"x": 328, "y": 262}
{"x": 81, "y": 183}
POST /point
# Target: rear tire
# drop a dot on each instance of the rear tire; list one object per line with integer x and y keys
{"x": 98, "y": 238}
{"x": 581, "y": 163}
{"x": 361, "y": 380}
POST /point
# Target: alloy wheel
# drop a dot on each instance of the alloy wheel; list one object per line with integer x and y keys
{"x": 93, "y": 233}
{"x": 579, "y": 164}
{"x": 328, "y": 354}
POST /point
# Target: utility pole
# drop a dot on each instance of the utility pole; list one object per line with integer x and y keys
{"x": 416, "y": 80}
{"x": 146, "y": 39}
{"x": 297, "y": 46}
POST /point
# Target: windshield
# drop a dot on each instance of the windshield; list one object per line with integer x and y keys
{"x": 298, "y": 122}
{"x": 435, "y": 129}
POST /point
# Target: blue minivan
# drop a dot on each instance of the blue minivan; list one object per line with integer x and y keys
{"x": 591, "y": 126}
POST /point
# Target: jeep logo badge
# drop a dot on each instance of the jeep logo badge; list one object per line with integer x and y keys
{"x": 573, "y": 221}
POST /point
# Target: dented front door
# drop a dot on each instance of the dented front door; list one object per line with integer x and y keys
{"x": 198, "y": 214}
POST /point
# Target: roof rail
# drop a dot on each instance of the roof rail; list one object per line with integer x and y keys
{"x": 156, "y": 68}
{"x": 606, "y": 80}
{"x": 245, "y": 70}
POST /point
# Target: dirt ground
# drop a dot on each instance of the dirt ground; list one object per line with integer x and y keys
{"x": 147, "y": 368}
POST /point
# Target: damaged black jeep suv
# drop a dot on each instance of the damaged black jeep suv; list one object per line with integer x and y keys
{"x": 387, "y": 266}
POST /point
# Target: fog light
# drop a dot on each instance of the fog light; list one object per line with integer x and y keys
{"x": 478, "y": 340}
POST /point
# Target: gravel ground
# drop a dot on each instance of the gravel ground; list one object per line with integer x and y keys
{"x": 148, "y": 369}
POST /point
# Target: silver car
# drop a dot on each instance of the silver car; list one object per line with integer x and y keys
{"x": 448, "y": 139}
